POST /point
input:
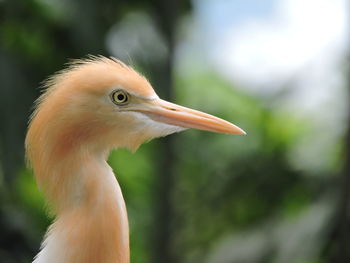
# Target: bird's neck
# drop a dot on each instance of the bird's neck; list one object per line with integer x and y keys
{"x": 91, "y": 223}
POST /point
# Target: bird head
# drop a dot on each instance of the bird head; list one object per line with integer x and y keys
{"x": 101, "y": 103}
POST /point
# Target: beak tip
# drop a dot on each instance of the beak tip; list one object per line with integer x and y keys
{"x": 243, "y": 132}
{"x": 238, "y": 131}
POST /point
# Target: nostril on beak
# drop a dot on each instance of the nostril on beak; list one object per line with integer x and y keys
{"x": 172, "y": 109}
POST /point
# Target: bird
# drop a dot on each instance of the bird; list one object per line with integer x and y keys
{"x": 94, "y": 105}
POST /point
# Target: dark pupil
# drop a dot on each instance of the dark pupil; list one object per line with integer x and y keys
{"x": 121, "y": 97}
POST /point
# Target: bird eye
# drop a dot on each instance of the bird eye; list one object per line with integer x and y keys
{"x": 120, "y": 97}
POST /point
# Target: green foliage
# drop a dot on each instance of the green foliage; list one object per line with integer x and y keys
{"x": 228, "y": 183}
{"x": 28, "y": 194}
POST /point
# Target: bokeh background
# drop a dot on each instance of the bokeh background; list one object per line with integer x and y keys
{"x": 277, "y": 68}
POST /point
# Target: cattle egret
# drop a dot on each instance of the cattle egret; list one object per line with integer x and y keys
{"x": 93, "y": 106}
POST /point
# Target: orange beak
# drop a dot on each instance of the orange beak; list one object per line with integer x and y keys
{"x": 170, "y": 113}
